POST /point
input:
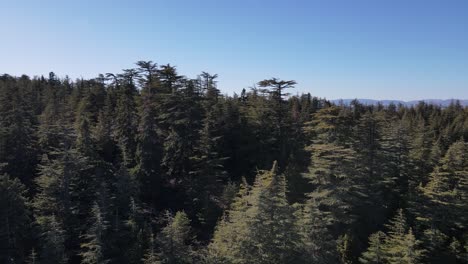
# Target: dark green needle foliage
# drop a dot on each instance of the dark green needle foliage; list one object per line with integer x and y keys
{"x": 150, "y": 166}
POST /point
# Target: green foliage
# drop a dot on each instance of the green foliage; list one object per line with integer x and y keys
{"x": 259, "y": 227}
{"x": 52, "y": 237}
{"x": 399, "y": 245}
{"x": 174, "y": 240}
{"x": 375, "y": 253}
{"x": 93, "y": 249}
{"x": 14, "y": 219}
{"x": 100, "y": 159}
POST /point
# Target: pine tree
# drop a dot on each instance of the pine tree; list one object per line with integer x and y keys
{"x": 344, "y": 246}
{"x": 149, "y": 149}
{"x": 134, "y": 234}
{"x": 83, "y": 127}
{"x": 93, "y": 249}
{"x": 316, "y": 243}
{"x": 64, "y": 196}
{"x": 106, "y": 146}
{"x": 17, "y": 135}
{"x": 208, "y": 171}
{"x": 337, "y": 188}
{"x": 151, "y": 256}
{"x": 375, "y": 253}
{"x": 259, "y": 227}
{"x": 126, "y": 118}
{"x": 281, "y": 119}
{"x": 53, "y": 239}
{"x": 14, "y": 219}
{"x": 399, "y": 245}
{"x": 229, "y": 239}
{"x": 181, "y": 118}
{"x": 33, "y": 257}
{"x": 174, "y": 240}
{"x": 273, "y": 234}
{"x": 444, "y": 195}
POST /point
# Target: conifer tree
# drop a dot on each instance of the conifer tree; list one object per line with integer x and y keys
{"x": 64, "y": 194}
{"x": 399, "y": 244}
{"x": 126, "y": 118}
{"x": 338, "y": 187}
{"x": 316, "y": 243}
{"x": 94, "y": 245}
{"x": 208, "y": 171}
{"x": 273, "y": 235}
{"x": 174, "y": 240}
{"x": 344, "y": 248}
{"x": 53, "y": 240}
{"x": 33, "y": 257}
{"x": 151, "y": 256}
{"x": 181, "y": 117}
{"x": 375, "y": 253}
{"x": 149, "y": 148}
{"x": 259, "y": 227}
{"x": 17, "y": 135}
{"x": 14, "y": 219}
{"x": 229, "y": 239}
{"x": 281, "y": 120}
{"x": 106, "y": 146}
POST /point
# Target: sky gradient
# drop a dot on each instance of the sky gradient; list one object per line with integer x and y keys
{"x": 375, "y": 49}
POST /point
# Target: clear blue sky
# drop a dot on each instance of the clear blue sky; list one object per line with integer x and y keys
{"x": 398, "y": 49}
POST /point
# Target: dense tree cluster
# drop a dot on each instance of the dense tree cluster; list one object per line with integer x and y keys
{"x": 149, "y": 166}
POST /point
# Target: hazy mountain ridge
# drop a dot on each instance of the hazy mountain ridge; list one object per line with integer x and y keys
{"x": 441, "y": 102}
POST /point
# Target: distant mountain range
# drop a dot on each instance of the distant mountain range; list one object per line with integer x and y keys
{"x": 441, "y": 102}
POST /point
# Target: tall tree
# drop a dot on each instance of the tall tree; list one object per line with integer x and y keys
{"x": 174, "y": 240}
{"x": 94, "y": 245}
{"x": 53, "y": 241}
{"x": 17, "y": 135}
{"x": 126, "y": 118}
{"x": 14, "y": 220}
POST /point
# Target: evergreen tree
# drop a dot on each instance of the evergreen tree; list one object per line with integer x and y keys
{"x": 116, "y": 151}
{"x": 53, "y": 240}
{"x": 259, "y": 227}
{"x": 375, "y": 253}
{"x": 93, "y": 249}
{"x": 14, "y": 219}
{"x": 149, "y": 148}
{"x": 273, "y": 235}
{"x": 174, "y": 240}
{"x": 181, "y": 118}
{"x": 229, "y": 240}
{"x": 17, "y": 135}
{"x": 64, "y": 196}
{"x": 316, "y": 243}
{"x": 33, "y": 257}
{"x": 208, "y": 171}
{"x": 397, "y": 246}
{"x": 151, "y": 256}
{"x": 126, "y": 118}
{"x": 338, "y": 187}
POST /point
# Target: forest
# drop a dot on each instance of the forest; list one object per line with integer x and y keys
{"x": 149, "y": 166}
